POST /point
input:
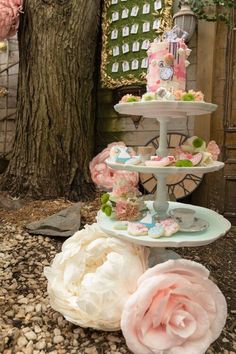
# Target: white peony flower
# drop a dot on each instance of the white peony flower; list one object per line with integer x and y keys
{"x": 92, "y": 278}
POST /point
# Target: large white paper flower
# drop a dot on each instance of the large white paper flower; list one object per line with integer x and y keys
{"x": 92, "y": 278}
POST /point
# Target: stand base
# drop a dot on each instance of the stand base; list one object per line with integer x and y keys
{"x": 160, "y": 255}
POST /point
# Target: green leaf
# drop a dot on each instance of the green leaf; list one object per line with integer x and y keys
{"x": 107, "y": 209}
{"x": 188, "y": 97}
{"x": 183, "y": 163}
{"x": 197, "y": 143}
{"x": 104, "y": 198}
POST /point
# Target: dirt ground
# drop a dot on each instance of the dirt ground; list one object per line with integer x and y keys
{"x": 28, "y": 325}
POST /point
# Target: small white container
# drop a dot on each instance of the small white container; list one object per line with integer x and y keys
{"x": 183, "y": 216}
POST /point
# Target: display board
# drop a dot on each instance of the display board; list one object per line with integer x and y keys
{"x": 128, "y": 28}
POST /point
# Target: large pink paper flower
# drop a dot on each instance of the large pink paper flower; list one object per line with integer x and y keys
{"x": 104, "y": 176}
{"x": 9, "y": 17}
{"x": 176, "y": 309}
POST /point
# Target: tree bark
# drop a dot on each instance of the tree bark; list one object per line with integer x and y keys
{"x": 56, "y": 100}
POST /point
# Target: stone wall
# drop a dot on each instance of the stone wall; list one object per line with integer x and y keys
{"x": 8, "y": 79}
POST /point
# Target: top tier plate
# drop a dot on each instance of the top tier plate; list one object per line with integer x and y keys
{"x": 168, "y": 109}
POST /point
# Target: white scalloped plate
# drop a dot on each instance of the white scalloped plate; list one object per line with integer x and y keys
{"x": 218, "y": 226}
{"x": 168, "y": 170}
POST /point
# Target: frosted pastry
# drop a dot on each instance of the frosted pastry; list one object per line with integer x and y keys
{"x": 135, "y": 160}
{"x": 121, "y": 225}
{"x": 196, "y": 159}
{"x": 157, "y": 161}
{"x": 170, "y": 226}
{"x": 148, "y": 221}
{"x": 136, "y": 229}
{"x": 120, "y": 154}
{"x": 156, "y": 231}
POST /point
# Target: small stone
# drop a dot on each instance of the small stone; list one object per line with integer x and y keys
{"x": 57, "y": 331}
{"x": 37, "y": 329}
{"x": 9, "y": 313}
{"x": 40, "y": 345}
{"x": 23, "y": 300}
{"x": 20, "y": 314}
{"x": 38, "y": 308}
{"x": 225, "y": 340}
{"x": 75, "y": 343}
{"x": 29, "y": 308}
{"x": 58, "y": 339}
{"x": 31, "y": 335}
{"x": 29, "y": 349}
{"x": 112, "y": 338}
{"x": 91, "y": 350}
{"x": 22, "y": 342}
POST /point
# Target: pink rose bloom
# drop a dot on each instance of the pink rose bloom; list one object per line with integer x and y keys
{"x": 124, "y": 191}
{"x": 104, "y": 176}
{"x": 178, "y": 94}
{"x": 124, "y": 187}
{"x": 9, "y": 17}
{"x": 127, "y": 210}
{"x": 129, "y": 98}
{"x": 198, "y": 95}
{"x": 214, "y": 149}
{"x": 176, "y": 309}
{"x": 169, "y": 58}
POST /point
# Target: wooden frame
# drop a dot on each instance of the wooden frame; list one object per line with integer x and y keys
{"x": 131, "y": 77}
{"x": 231, "y": 48}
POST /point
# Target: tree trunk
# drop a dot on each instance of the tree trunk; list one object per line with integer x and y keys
{"x": 56, "y": 99}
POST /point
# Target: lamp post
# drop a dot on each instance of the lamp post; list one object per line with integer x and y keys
{"x": 185, "y": 19}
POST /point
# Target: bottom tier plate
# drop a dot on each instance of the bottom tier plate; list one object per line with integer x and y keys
{"x": 218, "y": 226}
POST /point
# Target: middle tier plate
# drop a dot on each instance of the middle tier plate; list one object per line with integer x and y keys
{"x": 215, "y": 166}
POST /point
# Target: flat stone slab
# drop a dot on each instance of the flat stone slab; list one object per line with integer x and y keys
{"x": 63, "y": 224}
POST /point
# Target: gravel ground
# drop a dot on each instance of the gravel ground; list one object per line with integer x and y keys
{"x": 27, "y": 323}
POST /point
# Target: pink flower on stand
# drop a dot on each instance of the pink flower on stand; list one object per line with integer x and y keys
{"x": 127, "y": 210}
{"x": 178, "y": 94}
{"x": 214, "y": 149}
{"x": 130, "y": 98}
{"x": 9, "y": 17}
{"x": 198, "y": 95}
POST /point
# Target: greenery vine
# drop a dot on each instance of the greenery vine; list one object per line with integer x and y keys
{"x": 202, "y": 9}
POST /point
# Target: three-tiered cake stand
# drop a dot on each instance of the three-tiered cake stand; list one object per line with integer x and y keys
{"x": 216, "y": 224}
